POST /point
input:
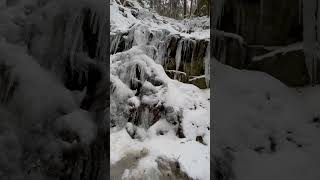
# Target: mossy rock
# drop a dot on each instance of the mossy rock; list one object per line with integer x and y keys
{"x": 200, "y": 83}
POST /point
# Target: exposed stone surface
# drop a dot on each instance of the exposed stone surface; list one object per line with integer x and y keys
{"x": 230, "y": 50}
{"x": 264, "y": 26}
{"x": 290, "y": 68}
{"x": 193, "y": 52}
{"x": 270, "y": 22}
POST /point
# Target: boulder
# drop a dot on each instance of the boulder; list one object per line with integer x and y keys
{"x": 289, "y": 67}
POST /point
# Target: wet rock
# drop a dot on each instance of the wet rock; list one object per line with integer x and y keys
{"x": 121, "y": 9}
{"x": 134, "y": 13}
{"x": 200, "y": 83}
{"x": 172, "y": 45}
{"x": 200, "y": 140}
{"x": 128, "y": 4}
{"x": 199, "y": 53}
{"x": 129, "y": 162}
{"x": 170, "y": 170}
{"x": 8, "y": 83}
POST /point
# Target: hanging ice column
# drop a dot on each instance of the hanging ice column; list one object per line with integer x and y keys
{"x": 91, "y": 12}
{"x": 178, "y": 58}
{"x": 311, "y": 33}
{"x": 217, "y": 12}
{"x": 207, "y": 66}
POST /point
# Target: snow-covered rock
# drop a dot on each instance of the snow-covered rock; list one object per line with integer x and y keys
{"x": 151, "y": 112}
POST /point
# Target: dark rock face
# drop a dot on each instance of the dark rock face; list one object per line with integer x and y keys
{"x": 192, "y": 64}
{"x": 263, "y": 24}
{"x": 173, "y": 45}
{"x": 230, "y": 50}
{"x": 290, "y": 68}
{"x": 6, "y": 88}
{"x": 269, "y": 23}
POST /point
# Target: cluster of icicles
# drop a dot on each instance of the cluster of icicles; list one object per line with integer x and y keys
{"x": 156, "y": 45}
{"x": 309, "y": 14}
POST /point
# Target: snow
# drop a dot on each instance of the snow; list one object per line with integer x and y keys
{"x": 140, "y": 84}
{"x": 179, "y": 96}
{"x": 282, "y": 50}
{"x": 37, "y": 98}
{"x": 117, "y": 21}
{"x": 230, "y": 35}
{"x": 197, "y": 77}
{"x": 81, "y": 123}
{"x": 31, "y": 99}
{"x": 121, "y": 23}
{"x": 168, "y": 146}
{"x": 134, "y": 101}
{"x": 266, "y": 126}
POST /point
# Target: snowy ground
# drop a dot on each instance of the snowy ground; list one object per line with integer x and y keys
{"x": 263, "y": 129}
{"x": 148, "y": 146}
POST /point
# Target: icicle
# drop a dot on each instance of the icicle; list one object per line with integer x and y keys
{"x": 145, "y": 118}
{"x": 300, "y": 11}
{"x": 136, "y": 74}
{"x": 207, "y": 66}
{"x": 178, "y": 57}
{"x": 318, "y": 21}
{"x": 161, "y": 53}
{"x": 193, "y": 44}
{"x": 100, "y": 27}
{"x": 217, "y": 12}
{"x": 309, "y": 35}
{"x": 115, "y": 41}
{"x": 238, "y": 20}
{"x": 73, "y": 34}
{"x": 261, "y": 12}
